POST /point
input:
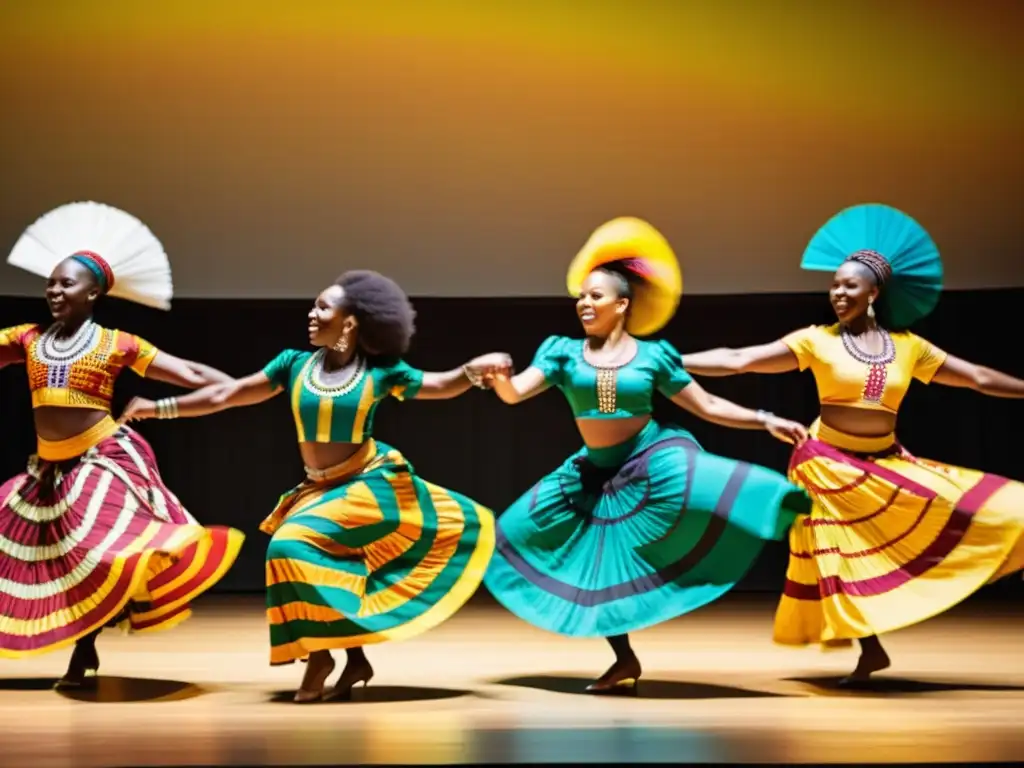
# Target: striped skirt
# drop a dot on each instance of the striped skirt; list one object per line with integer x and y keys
{"x": 368, "y": 552}
{"x": 96, "y": 541}
{"x": 892, "y": 539}
{"x": 622, "y": 538}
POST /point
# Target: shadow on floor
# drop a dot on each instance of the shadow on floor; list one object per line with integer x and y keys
{"x": 900, "y": 686}
{"x": 383, "y": 694}
{"x": 120, "y": 690}
{"x": 646, "y": 689}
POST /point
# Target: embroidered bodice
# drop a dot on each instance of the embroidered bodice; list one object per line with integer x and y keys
{"x": 341, "y": 413}
{"x": 609, "y": 393}
{"x": 846, "y": 375}
{"x": 78, "y": 372}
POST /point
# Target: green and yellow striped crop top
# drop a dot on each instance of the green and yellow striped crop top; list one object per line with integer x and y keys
{"x": 611, "y": 393}
{"x": 343, "y": 413}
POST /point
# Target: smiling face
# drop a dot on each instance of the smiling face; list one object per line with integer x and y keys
{"x": 601, "y": 307}
{"x": 71, "y": 292}
{"x": 853, "y": 290}
{"x": 328, "y": 319}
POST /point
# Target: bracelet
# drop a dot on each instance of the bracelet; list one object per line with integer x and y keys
{"x": 167, "y": 408}
{"x": 763, "y": 417}
{"x": 474, "y": 378}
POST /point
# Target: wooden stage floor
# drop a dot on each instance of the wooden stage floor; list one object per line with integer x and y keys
{"x": 486, "y": 687}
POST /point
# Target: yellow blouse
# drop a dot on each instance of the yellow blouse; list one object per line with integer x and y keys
{"x": 80, "y": 376}
{"x": 846, "y": 376}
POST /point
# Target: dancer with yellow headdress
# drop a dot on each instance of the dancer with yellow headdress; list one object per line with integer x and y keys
{"x": 892, "y": 539}
{"x": 90, "y": 535}
{"x": 641, "y": 525}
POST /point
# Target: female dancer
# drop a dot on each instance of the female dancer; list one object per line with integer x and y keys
{"x": 892, "y": 539}
{"x": 641, "y": 525}
{"x": 90, "y": 535}
{"x": 364, "y": 550}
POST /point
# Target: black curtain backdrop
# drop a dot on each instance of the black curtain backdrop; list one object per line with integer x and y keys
{"x": 230, "y": 468}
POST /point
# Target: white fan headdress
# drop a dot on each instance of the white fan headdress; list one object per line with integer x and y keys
{"x": 141, "y": 271}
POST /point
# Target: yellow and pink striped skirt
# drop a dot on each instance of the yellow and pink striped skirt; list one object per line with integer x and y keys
{"x": 892, "y": 539}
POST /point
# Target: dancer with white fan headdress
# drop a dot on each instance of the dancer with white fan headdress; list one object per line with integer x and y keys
{"x": 892, "y": 539}
{"x": 89, "y": 535}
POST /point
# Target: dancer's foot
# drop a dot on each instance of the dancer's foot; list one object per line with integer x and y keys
{"x": 318, "y": 669}
{"x": 82, "y": 669}
{"x": 355, "y": 672}
{"x": 871, "y": 660}
{"x": 622, "y": 677}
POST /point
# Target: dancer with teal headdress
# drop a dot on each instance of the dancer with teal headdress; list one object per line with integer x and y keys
{"x": 892, "y": 539}
{"x": 641, "y": 525}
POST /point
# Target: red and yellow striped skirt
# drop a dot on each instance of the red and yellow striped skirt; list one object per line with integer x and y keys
{"x": 891, "y": 540}
{"x": 99, "y": 539}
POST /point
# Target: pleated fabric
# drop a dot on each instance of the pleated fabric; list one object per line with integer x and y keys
{"x": 97, "y": 541}
{"x": 892, "y": 540}
{"x": 369, "y": 553}
{"x": 657, "y": 531}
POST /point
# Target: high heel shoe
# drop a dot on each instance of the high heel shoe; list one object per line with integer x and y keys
{"x": 312, "y": 689}
{"x": 623, "y": 679}
{"x": 342, "y": 690}
{"x": 82, "y": 669}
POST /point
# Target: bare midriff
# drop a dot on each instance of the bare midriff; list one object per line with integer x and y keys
{"x": 327, "y": 455}
{"x": 55, "y": 423}
{"x": 604, "y": 433}
{"x": 862, "y": 422}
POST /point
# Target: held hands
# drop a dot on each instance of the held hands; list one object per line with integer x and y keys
{"x": 483, "y": 369}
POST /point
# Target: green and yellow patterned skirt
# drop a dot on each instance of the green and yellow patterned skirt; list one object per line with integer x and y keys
{"x": 368, "y": 552}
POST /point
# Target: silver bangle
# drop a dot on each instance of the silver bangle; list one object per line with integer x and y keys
{"x": 167, "y": 408}
{"x": 763, "y": 417}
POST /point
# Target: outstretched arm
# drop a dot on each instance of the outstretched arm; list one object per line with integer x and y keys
{"x": 698, "y": 401}
{"x": 955, "y": 372}
{"x": 187, "y": 374}
{"x": 448, "y": 384}
{"x": 234, "y": 393}
{"x": 522, "y": 386}
{"x": 775, "y": 357}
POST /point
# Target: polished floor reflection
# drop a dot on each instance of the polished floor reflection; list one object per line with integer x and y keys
{"x": 487, "y": 688}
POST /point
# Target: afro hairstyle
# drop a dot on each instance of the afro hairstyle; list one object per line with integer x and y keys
{"x": 385, "y": 314}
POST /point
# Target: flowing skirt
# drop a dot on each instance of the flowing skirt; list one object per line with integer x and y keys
{"x": 100, "y": 540}
{"x": 368, "y": 552}
{"x": 892, "y": 539}
{"x": 616, "y": 540}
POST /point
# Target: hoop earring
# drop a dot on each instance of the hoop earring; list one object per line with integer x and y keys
{"x": 341, "y": 345}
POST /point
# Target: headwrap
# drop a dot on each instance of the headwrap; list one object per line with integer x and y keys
{"x": 96, "y": 264}
{"x": 876, "y": 262}
{"x": 638, "y": 248}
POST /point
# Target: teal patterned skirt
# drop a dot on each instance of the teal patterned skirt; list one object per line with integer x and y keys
{"x": 622, "y": 538}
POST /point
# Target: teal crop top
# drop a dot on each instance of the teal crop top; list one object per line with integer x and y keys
{"x": 342, "y": 414}
{"x": 611, "y": 393}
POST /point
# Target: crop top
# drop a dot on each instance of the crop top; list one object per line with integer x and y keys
{"x": 343, "y": 413}
{"x": 846, "y": 376}
{"x": 81, "y": 376}
{"x": 611, "y": 393}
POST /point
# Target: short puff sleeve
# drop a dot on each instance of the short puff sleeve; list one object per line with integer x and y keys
{"x": 803, "y": 344}
{"x": 550, "y": 358}
{"x": 13, "y": 342}
{"x": 670, "y": 376}
{"x": 927, "y": 359}
{"x": 279, "y": 370}
{"x": 136, "y": 353}
{"x": 402, "y": 381}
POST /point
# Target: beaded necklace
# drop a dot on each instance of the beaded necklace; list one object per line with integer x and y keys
{"x": 874, "y": 384}
{"x": 60, "y": 355}
{"x": 314, "y": 383}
